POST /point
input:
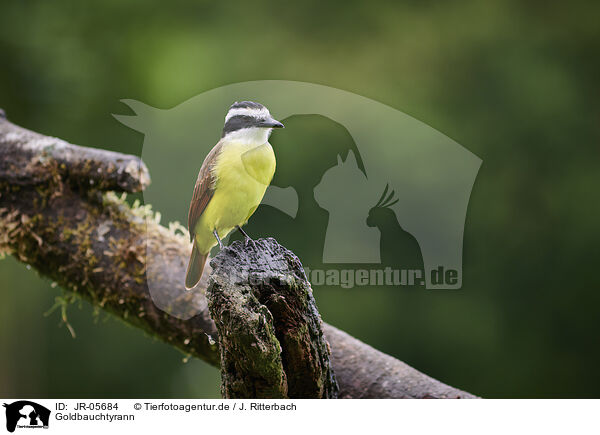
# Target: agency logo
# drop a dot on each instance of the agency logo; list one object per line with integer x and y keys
{"x": 380, "y": 196}
{"x": 25, "y": 414}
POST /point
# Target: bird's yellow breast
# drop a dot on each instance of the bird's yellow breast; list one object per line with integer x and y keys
{"x": 242, "y": 173}
{"x": 239, "y": 162}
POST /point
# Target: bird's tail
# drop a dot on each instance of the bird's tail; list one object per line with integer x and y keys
{"x": 195, "y": 267}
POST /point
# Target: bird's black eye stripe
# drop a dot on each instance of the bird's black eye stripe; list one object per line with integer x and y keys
{"x": 238, "y": 122}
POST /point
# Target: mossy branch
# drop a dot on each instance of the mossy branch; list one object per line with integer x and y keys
{"x": 57, "y": 215}
{"x": 88, "y": 167}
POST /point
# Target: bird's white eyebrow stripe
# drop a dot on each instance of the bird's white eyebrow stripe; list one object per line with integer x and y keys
{"x": 247, "y": 111}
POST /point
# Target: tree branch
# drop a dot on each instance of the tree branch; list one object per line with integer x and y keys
{"x": 56, "y": 215}
{"x": 28, "y": 152}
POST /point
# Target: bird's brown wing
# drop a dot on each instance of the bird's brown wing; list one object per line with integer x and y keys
{"x": 204, "y": 189}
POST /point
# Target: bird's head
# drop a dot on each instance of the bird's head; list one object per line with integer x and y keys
{"x": 381, "y": 211}
{"x": 251, "y": 122}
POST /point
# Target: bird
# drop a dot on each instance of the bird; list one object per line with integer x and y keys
{"x": 231, "y": 182}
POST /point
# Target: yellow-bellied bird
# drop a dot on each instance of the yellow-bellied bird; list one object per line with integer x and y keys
{"x": 231, "y": 182}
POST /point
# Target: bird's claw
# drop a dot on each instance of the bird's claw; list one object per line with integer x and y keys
{"x": 247, "y": 238}
{"x": 218, "y": 239}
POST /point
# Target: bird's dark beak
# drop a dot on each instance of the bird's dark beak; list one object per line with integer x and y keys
{"x": 271, "y": 123}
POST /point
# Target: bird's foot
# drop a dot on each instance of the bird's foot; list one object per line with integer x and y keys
{"x": 247, "y": 238}
{"x": 218, "y": 239}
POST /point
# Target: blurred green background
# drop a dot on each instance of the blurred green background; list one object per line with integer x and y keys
{"x": 514, "y": 82}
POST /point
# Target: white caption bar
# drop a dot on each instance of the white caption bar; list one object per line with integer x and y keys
{"x": 307, "y": 416}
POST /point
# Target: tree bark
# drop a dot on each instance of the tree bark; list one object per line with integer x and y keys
{"x": 57, "y": 215}
{"x": 270, "y": 331}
